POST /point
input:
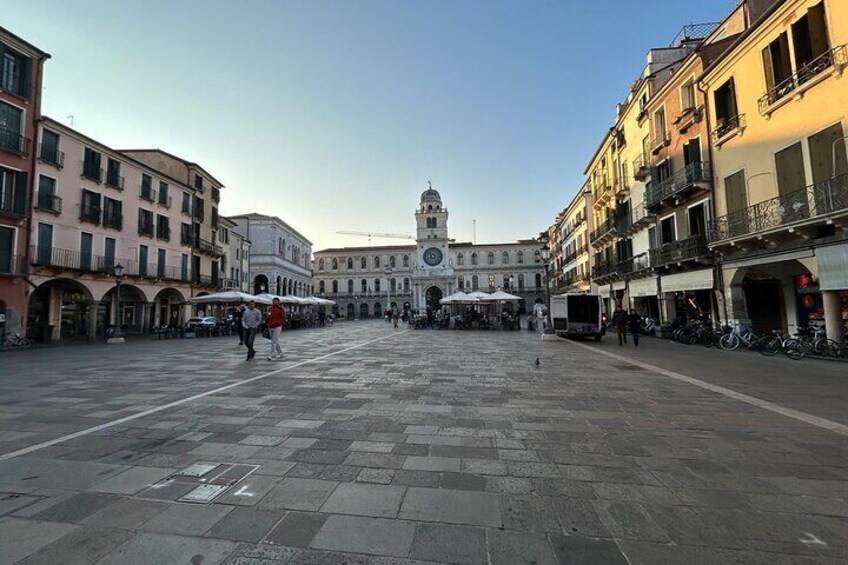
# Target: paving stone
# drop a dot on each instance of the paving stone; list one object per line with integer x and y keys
{"x": 317, "y": 557}
{"x": 230, "y": 451}
{"x": 20, "y": 538}
{"x": 451, "y": 506}
{"x": 341, "y": 473}
{"x": 372, "y": 446}
{"x": 187, "y": 519}
{"x": 318, "y": 456}
{"x": 629, "y": 520}
{"x": 529, "y": 513}
{"x": 379, "y": 460}
{"x": 75, "y": 508}
{"x": 373, "y": 536}
{"x": 83, "y": 545}
{"x": 297, "y": 529}
{"x": 413, "y": 463}
{"x": 306, "y": 471}
{"x": 576, "y": 550}
{"x": 298, "y": 442}
{"x": 148, "y": 548}
{"x": 519, "y": 548}
{"x": 462, "y": 452}
{"x": 133, "y": 480}
{"x": 264, "y": 552}
{"x": 409, "y": 449}
{"x": 460, "y": 481}
{"x": 376, "y": 476}
{"x": 246, "y": 524}
{"x": 381, "y": 501}
{"x": 508, "y": 484}
{"x": 10, "y": 501}
{"x": 249, "y": 491}
{"x": 271, "y": 467}
{"x": 264, "y": 441}
{"x": 579, "y": 517}
{"x": 483, "y": 467}
{"x": 126, "y": 513}
{"x": 299, "y": 494}
{"x": 460, "y": 545}
{"x": 416, "y": 479}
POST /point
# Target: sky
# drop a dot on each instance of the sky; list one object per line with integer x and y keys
{"x": 333, "y": 115}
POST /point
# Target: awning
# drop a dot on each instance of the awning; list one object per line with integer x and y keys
{"x": 692, "y": 280}
{"x": 833, "y": 267}
{"x": 619, "y": 285}
{"x": 604, "y": 291}
{"x": 642, "y": 287}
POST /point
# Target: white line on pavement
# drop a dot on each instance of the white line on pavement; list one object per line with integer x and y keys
{"x": 836, "y": 427}
{"x": 30, "y": 449}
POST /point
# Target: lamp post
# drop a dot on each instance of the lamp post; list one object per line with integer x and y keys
{"x": 546, "y": 255}
{"x": 388, "y": 273}
{"x": 117, "y": 333}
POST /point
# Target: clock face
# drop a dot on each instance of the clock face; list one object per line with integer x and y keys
{"x": 433, "y": 256}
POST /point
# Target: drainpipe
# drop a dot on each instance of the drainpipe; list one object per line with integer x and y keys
{"x": 718, "y": 272}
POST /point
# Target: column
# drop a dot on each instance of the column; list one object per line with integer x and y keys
{"x": 833, "y": 315}
{"x": 93, "y": 307}
{"x": 146, "y": 308}
{"x": 55, "y": 311}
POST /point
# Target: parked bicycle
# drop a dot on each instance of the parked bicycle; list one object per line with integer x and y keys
{"x": 730, "y": 341}
{"x": 17, "y": 340}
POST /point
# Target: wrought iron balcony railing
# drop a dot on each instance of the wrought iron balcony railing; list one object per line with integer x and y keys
{"x": 680, "y": 250}
{"x": 604, "y": 229}
{"x": 89, "y": 213}
{"x": 51, "y": 155}
{"x": 91, "y": 172}
{"x": 14, "y": 141}
{"x": 603, "y": 269}
{"x": 641, "y": 167}
{"x": 147, "y": 194}
{"x": 661, "y": 140}
{"x": 47, "y": 202}
{"x": 115, "y": 181}
{"x": 639, "y": 215}
{"x": 113, "y": 220}
{"x": 725, "y": 127}
{"x": 208, "y": 247}
{"x": 679, "y": 182}
{"x": 72, "y": 260}
{"x": 807, "y": 204}
{"x": 835, "y": 57}
{"x": 693, "y": 32}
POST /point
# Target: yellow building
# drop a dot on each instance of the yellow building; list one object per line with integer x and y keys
{"x": 776, "y": 107}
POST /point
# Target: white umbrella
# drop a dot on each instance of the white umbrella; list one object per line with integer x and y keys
{"x": 230, "y": 296}
{"x": 282, "y": 299}
{"x": 502, "y": 296}
{"x": 480, "y": 295}
{"x": 458, "y": 298}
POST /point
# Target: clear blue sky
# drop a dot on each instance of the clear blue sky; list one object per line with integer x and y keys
{"x": 333, "y": 115}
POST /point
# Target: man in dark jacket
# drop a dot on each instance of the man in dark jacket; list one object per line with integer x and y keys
{"x": 619, "y": 320}
{"x": 634, "y": 324}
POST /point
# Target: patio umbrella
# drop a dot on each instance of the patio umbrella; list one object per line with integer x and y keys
{"x": 458, "y": 298}
{"x": 228, "y": 297}
{"x": 502, "y": 296}
{"x": 480, "y": 295}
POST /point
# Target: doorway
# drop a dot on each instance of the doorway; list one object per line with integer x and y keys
{"x": 432, "y": 298}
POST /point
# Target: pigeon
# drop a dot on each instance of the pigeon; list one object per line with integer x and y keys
{"x": 537, "y": 362}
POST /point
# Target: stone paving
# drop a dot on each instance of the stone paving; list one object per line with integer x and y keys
{"x": 374, "y": 446}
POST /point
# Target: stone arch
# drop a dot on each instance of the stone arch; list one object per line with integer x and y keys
{"x": 260, "y": 284}
{"x": 351, "y": 311}
{"x": 67, "y": 305}
{"x": 378, "y": 310}
{"x": 363, "y": 310}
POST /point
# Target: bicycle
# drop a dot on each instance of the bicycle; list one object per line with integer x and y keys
{"x": 17, "y": 340}
{"x": 809, "y": 340}
{"x": 772, "y": 345}
{"x": 731, "y": 341}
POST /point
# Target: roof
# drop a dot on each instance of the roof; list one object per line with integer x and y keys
{"x": 24, "y": 42}
{"x": 180, "y": 159}
{"x": 256, "y": 216}
{"x": 363, "y": 249}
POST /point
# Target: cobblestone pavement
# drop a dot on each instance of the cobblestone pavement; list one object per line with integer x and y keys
{"x": 373, "y": 446}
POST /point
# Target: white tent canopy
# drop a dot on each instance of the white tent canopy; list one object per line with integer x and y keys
{"x": 480, "y": 295}
{"x": 282, "y": 299}
{"x": 502, "y": 296}
{"x": 228, "y": 297}
{"x": 458, "y": 298}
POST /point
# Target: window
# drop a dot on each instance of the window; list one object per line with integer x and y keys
{"x": 335, "y": 287}
{"x": 520, "y": 281}
{"x": 538, "y": 280}
{"x": 47, "y": 199}
{"x": 90, "y": 207}
{"x": 281, "y": 247}
{"x": 199, "y": 209}
{"x": 520, "y": 257}
{"x": 393, "y": 285}
{"x": 659, "y": 125}
{"x": 49, "y": 152}
{"x": 667, "y": 230}
{"x": 406, "y": 285}
{"x": 198, "y": 182}
{"x": 789, "y": 164}
{"x": 163, "y": 228}
{"x": 145, "y": 222}
{"x": 363, "y": 285}
{"x": 643, "y": 105}
{"x": 377, "y": 285}
{"x": 146, "y": 191}
{"x": 697, "y": 220}
{"x": 492, "y": 282}
{"x": 460, "y": 259}
{"x": 506, "y": 281}
{"x": 14, "y": 72}
{"x": 687, "y": 95}
{"x": 505, "y": 258}
{"x": 377, "y": 262}
{"x": 363, "y": 263}
{"x": 186, "y": 235}
{"x": 474, "y": 259}
{"x": 335, "y": 264}
{"x": 164, "y": 199}
{"x": 44, "y": 250}
{"x": 350, "y": 286}
{"x": 186, "y": 209}
{"x": 823, "y": 145}
{"x": 321, "y": 264}
{"x": 113, "y": 214}
{"x": 11, "y": 128}
{"x": 91, "y": 165}
{"x": 778, "y": 67}
{"x": 224, "y": 236}
{"x": 350, "y": 263}
{"x": 461, "y": 282}
{"x": 85, "y": 251}
{"x": 432, "y": 223}
{"x": 809, "y": 37}
{"x": 392, "y": 262}
{"x": 160, "y": 264}
{"x": 113, "y": 174}
{"x": 406, "y": 261}
{"x": 321, "y": 287}
{"x": 490, "y": 258}
{"x": 725, "y": 107}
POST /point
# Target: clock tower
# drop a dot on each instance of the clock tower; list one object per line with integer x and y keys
{"x": 434, "y": 272}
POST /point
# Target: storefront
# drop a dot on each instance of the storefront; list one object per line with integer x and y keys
{"x": 643, "y": 296}
{"x": 687, "y": 295}
{"x": 832, "y": 262}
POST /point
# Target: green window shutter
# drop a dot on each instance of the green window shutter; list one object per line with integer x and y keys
{"x": 26, "y": 76}
{"x": 19, "y": 205}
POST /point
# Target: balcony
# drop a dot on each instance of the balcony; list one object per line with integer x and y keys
{"x": 604, "y": 271}
{"x": 50, "y": 203}
{"x": 727, "y": 129}
{"x": 13, "y": 141}
{"x": 91, "y": 172}
{"x": 641, "y": 168}
{"x": 688, "y": 118}
{"x": 693, "y": 176}
{"x": 115, "y": 181}
{"x": 208, "y": 248}
{"x": 163, "y": 233}
{"x": 164, "y": 202}
{"x": 639, "y": 217}
{"x": 812, "y": 204}
{"x": 207, "y": 280}
{"x": 635, "y": 265}
{"x": 689, "y": 249}
{"x": 806, "y": 77}
{"x": 113, "y": 220}
{"x": 229, "y": 283}
{"x": 71, "y": 260}
{"x": 51, "y": 156}
{"x": 216, "y": 195}
{"x": 12, "y": 265}
{"x": 145, "y": 228}
{"x": 90, "y": 214}
{"x": 147, "y": 194}
{"x": 603, "y": 194}
{"x": 658, "y": 143}
{"x": 604, "y": 232}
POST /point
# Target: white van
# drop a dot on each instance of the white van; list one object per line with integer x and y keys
{"x": 578, "y": 315}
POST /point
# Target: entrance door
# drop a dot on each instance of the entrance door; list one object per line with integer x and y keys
{"x": 764, "y": 300}
{"x": 790, "y": 184}
{"x": 351, "y": 311}
{"x": 698, "y": 220}
{"x": 363, "y": 311}
{"x": 433, "y": 296}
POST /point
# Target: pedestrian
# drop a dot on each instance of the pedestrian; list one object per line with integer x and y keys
{"x": 395, "y": 317}
{"x": 237, "y": 321}
{"x": 619, "y": 320}
{"x": 276, "y": 319}
{"x": 429, "y": 317}
{"x": 634, "y": 323}
{"x": 322, "y": 317}
{"x": 251, "y": 320}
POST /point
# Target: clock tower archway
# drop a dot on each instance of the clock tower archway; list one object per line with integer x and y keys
{"x": 434, "y": 271}
{"x": 433, "y": 296}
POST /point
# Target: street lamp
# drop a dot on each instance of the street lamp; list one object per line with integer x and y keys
{"x": 117, "y": 333}
{"x": 388, "y": 273}
{"x": 546, "y": 255}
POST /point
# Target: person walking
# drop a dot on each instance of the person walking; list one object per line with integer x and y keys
{"x": 276, "y": 319}
{"x": 237, "y": 321}
{"x": 251, "y": 320}
{"x": 619, "y": 320}
{"x": 634, "y": 324}
{"x": 395, "y": 317}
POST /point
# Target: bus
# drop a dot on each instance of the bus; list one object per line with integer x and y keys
{"x": 578, "y": 315}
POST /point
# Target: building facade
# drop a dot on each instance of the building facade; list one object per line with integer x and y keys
{"x": 235, "y": 265}
{"x": 776, "y": 103}
{"x": 280, "y": 256}
{"x": 21, "y": 71}
{"x": 365, "y": 281}
{"x": 569, "y": 243}
{"x": 96, "y": 208}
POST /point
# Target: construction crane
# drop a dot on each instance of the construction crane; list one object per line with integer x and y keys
{"x": 369, "y": 235}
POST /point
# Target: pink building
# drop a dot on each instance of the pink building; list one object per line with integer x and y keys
{"x": 96, "y": 208}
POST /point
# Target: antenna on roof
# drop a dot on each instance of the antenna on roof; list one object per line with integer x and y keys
{"x": 70, "y": 118}
{"x": 474, "y": 231}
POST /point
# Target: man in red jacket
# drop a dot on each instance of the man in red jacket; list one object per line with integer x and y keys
{"x": 276, "y": 319}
